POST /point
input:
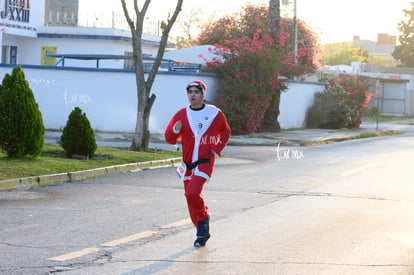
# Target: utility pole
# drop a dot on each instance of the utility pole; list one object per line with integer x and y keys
{"x": 295, "y": 29}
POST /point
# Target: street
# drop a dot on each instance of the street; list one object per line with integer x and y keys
{"x": 342, "y": 208}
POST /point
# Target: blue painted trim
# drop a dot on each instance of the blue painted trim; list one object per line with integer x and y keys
{"x": 103, "y": 70}
{"x": 165, "y": 63}
{"x": 102, "y": 56}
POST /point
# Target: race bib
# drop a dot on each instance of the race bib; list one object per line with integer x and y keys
{"x": 181, "y": 169}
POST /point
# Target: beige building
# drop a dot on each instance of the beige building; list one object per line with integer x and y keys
{"x": 379, "y": 51}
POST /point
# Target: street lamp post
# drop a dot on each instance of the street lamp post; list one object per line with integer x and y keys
{"x": 295, "y": 29}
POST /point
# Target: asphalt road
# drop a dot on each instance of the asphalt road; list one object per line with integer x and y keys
{"x": 343, "y": 208}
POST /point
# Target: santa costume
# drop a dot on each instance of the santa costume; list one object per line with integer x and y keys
{"x": 204, "y": 134}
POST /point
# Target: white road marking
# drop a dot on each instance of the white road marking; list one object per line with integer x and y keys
{"x": 176, "y": 224}
{"x": 130, "y": 238}
{"x": 358, "y": 170}
{"x": 75, "y": 254}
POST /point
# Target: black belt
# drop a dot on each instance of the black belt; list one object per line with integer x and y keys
{"x": 195, "y": 163}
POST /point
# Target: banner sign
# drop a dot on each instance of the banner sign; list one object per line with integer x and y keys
{"x": 16, "y": 10}
{"x": 20, "y": 17}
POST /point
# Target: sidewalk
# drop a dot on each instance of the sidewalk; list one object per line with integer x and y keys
{"x": 301, "y": 137}
{"x": 307, "y": 137}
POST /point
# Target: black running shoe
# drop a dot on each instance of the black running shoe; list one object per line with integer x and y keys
{"x": 201, "y": 241}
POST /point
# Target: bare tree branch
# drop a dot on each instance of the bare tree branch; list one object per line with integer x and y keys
{"x": 145, "y": 101}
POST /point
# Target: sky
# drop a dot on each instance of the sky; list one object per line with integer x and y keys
{"x": 333, "y": 20}
{"x": 336, "y": 20}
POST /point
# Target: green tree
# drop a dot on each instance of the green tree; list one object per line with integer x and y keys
{"x": 78, "y": 137}
{"x": 21, "y": 123}
{"x": 404, "y": 52}
{"x": 343, "y": 54}
{"x": 144, "y": 84}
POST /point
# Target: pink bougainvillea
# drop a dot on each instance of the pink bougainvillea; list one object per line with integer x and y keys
{"x": 358, "y": 96}
{"x": 248, "y": 78}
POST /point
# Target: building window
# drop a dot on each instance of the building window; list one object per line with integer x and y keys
{"x": 13, "y": 55}
{"x": 128, "y": 62}
{"x": 8, "y": 54}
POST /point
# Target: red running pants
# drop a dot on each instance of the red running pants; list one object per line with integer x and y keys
{"x": 195, "y": 202}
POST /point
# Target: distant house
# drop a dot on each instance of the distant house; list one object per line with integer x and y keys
{"x": 379, "y": 50}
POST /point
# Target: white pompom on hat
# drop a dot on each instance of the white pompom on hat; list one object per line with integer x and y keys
{"x": 199, "y": 84}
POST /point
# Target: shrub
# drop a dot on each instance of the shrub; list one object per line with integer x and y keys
{"x": 21, "y": 124}
{"x": 358, "y": 96}
{"x": 330, "y": 110}
{"x": 78, "y": 138}
{"x": 351, "y": 90}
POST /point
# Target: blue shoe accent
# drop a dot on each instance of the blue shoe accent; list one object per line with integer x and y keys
{"x": 203, "y": 227}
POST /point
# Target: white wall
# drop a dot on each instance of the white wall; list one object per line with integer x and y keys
{"x": 108, "y": 98}
{"x": 110, "y": 102}
{"x": 295, "y": 102}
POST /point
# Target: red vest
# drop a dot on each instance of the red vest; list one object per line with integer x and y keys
{"x": 204, "y": 133}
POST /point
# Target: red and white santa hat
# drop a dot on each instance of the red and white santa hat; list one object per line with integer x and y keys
{"x": 199, "y": 85}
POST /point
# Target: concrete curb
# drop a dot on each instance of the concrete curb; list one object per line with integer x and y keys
{"x": 85, "y": 174}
